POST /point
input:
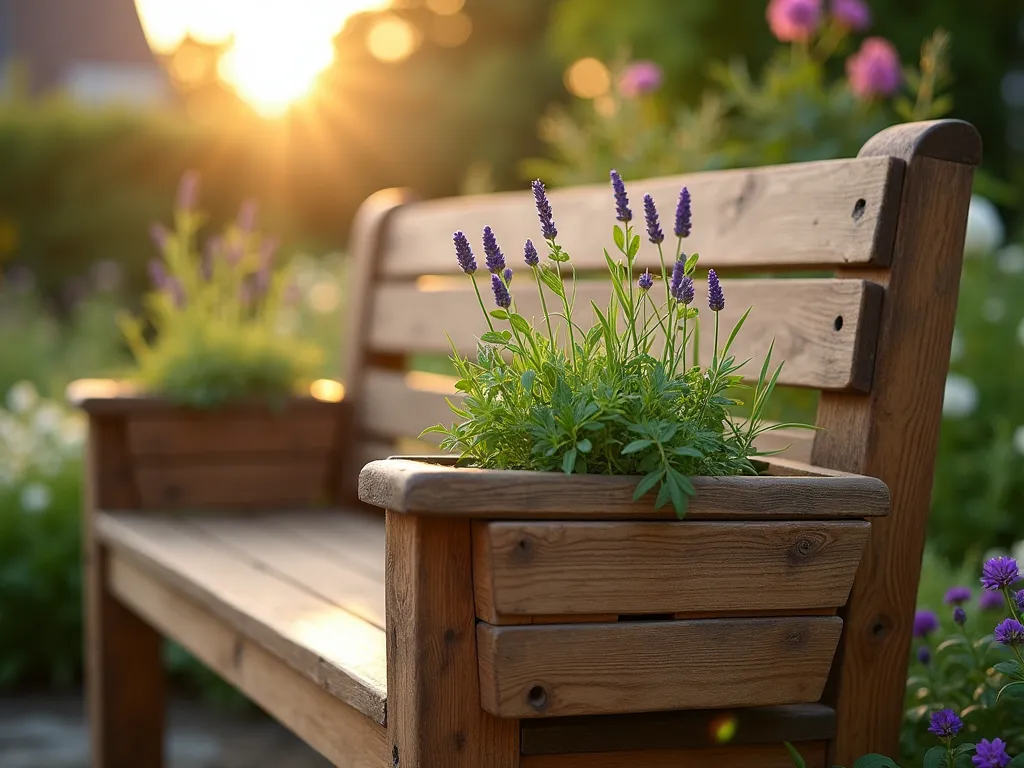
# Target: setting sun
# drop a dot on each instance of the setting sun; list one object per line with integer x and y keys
{"x": 276, "y": 49}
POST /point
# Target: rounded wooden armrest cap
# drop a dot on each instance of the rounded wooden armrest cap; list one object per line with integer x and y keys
{"x": 956, "y": 141}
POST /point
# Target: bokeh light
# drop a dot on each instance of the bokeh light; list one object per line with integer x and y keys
{"x": 392, "y": 39}
{"x": 588, "y": 78}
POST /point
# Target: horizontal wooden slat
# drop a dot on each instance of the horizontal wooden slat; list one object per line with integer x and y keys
{"x": 692, "y": 729}
{"x": 592, "y": 669}
{"x": 837, "y": 212}
{"x": 402, "y": 485}
{"x": 336, "y": 730}
{"x": 531, "y": 568}
{"x": 768, "y": 756}
{"x": 824, "y": 330}
{"x": 264, "y": 482}
{"x": 339, "y": 652}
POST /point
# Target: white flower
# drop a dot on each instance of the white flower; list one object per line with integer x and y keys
{"x": 961, "y": 397}
{"x": 984, "y": 227}
{"x": 993, "y": 309}
{"x": 956, "y": 349}
{"x": 1018, "y": 444}
{"x": 35, "y": 497}
{"x": 1010, "y": 260}
{"x": 47, "y": 418}
{"x": 22, "y": 397}
{"x": 324, "y": 296}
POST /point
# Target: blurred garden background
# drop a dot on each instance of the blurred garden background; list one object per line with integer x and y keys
{"x": 309, "y": 106}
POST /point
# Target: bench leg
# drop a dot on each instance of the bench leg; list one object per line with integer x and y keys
{"x": 434, "y": 715}
{"x": 124, "y": 677}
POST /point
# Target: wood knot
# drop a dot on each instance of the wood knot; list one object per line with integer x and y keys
{"x": 238, "y": 653}
{"x": 459, "y": 739}
{"x": 806, "y": 547}
{"x": 450, "y": 636}
{"x": 524, "y": 550}
{"x": 394, "y": 756}
{"x": 795, "y": 638}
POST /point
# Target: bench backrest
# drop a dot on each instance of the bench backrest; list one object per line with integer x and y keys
{"x": 887, "y": 228}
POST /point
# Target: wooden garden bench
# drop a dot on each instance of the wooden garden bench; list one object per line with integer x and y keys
{"x": 359, "y": 635}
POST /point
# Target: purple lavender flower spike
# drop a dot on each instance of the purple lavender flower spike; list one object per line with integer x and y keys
{"x": 1010, "y": 632}
{"x": 654, "y": 233}
{"x": 852, "y": 14}
{"x": 681, "y": 285}
{"x": 686, "y": 292}
{"x": 495, "y": 259}
{"x": 999, "y": 572}
{"x": 158, "y": 274}
{"x": 507, "y": 274}
{"x": 716, "y": 298}
{"x": 547, "y": 222}
{"x": 957, "y": 595}
{"x": 464, "y": 253}
{"x": 945, "y": 724}
{"x": 622, "y": 212}
{"x": 188, "y": 191}
{"x": 683, "y": 214}
{"x": 261, "y": 280}
{"x": 160, "y": 235}
{"x": 925, "y": 622}
{"x": 990, "y": 754}
{"x": 960, "y": 615}
{"x": 924, "y": 655}
{"x": 646, "y": 281}
{"x": 530, "y": 254}
{"x": 501, "y": 295}
{"x": 247, "y": 216}
{"x": 991, "y": 601}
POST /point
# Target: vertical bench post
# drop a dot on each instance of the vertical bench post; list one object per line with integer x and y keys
{"x": 892, "y": 433}
{"x": 124, "y": 666}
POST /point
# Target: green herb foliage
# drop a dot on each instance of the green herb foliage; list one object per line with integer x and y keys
{"x": 625, "y": 396}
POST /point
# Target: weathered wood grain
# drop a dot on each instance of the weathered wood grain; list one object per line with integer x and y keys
{"x": 837, "y": 212}
{"x": 535, "y": 568}
{"x": 892, "y": 433}
{"x": 592, "y": 669}
{"x": 768, "y": 756}
{"x": 402, "y": 485}
{"x": 434, "y": 714}
{"x": 335, "y": 730}
{"x": 341, "y": 653}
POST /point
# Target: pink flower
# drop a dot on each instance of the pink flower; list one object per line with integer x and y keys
{"x": 875, "y": 69}
{"x": 853, "y": 14}
{"x": 639, "y": 78}
{"x": 794, "y": 20}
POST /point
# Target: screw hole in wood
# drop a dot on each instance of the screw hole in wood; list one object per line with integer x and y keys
{"x": 858, "y": 209}
{"x": 537, "y": 697}
{"x": 838, "y": 323}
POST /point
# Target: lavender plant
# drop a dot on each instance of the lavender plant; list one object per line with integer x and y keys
{"x": 624, "y": 396}
{"x": 214, "y": 314}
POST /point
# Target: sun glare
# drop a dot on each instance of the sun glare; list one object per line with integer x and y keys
{"x": 276, "y": 48}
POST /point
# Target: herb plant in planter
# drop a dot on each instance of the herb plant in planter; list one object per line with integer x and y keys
{"x": 218, "y": 412}
{"x": 580, "y": 448}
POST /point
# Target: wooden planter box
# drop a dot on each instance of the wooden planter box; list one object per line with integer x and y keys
{"x": 590, "y": 603}
{"x": 241, "y": 456}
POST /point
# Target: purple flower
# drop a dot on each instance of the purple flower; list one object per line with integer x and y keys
{"x": 925, "y": 622}
{"x": 507, "y": 274}
{"x": 622, "y": 212}
{"x": 1019, "y": 597}
{"x": 501, "y": 295}
{"x": 875, "y": 69}
{"x": 794, "y": 20}
{"x": 990, "y": 754}
{"x": 247, "y": 216}
{"x": 158, "y": 274}
{"x": 681, "y": 285}
{"x": 654, "y": 233}
{"x": 683, "y": 213}
{"x": 957, "y": 595}
{"x": 999, "y": 572}
{"x": 639, "y": 78}
{"x": 530, "y": 254}
{"x": 991, "y": 601}
{"x": 960, "y": 615}
{"x": 945, "y": 724}
{"x": 464, "y": 253}
{"x": 261, "y": 280}
{"x": 547, "y": 223}
{"x": 924, "y": 655}
{"x": 646, "y": 281}
{"x": 716, "y": 298}
{"x": 188, "y": 191}
{"x": 1010, "y": 632}
{"x": 852, "y": 14}
{"x": 160, "y": 235}
{"x": 494, "y": 258}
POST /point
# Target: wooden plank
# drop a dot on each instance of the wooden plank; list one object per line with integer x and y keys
{"x": 804, "y": 214}
{"x": 266, "y": 482}
{"x": 824, "y": 330}
{"x": 593, "y": 669}
{"x": 532, "y": 568}
{"x": 768, "y": 756}
{"x": 336, "y": 650}
{"x": 335, "y": 730}
{"x": 354, "y": 536}
{"x": 694, "y": 729}
{"x": 434, "y": 714}
{"x": 124, "y": 665}
{"x": 402, "y": 485}
{"x": 277, "y": 550}
{"x": 893, "y": 433}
